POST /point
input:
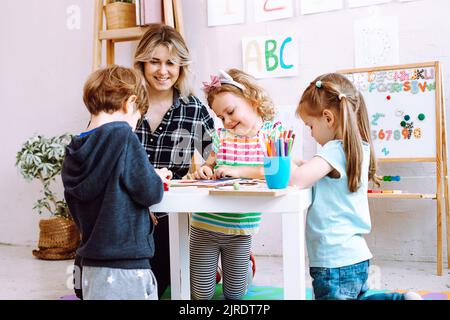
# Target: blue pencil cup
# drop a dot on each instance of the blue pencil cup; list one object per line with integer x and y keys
{"x": 277, "y": 171}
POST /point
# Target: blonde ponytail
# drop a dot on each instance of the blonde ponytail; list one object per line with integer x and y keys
{"x": 352, "y": 144}
{"x": 364, "y": 129}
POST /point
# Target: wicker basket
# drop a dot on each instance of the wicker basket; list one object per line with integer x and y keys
{"x": 120, "y": 15}
{"x": 58, "y": 239}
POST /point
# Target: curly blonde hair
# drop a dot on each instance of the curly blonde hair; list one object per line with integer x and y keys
{"x": 255, "y": 94}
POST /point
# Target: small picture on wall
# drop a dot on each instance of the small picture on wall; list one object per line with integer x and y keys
{"x": 225, "y": 12}
{"x": 376, "y": 42}
{"x": 317, "y": 6}
{"x": 270, "y": 56}
{"x": 363, "y": 3}
{"x": 266, "y": 10}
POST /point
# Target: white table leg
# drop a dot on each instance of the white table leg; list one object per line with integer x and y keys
{"x": 179, "y": 256}
{"x": 293, "y": 256}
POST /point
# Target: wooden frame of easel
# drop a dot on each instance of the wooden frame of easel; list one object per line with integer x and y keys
{"x": 172, "y": 17}
{"x": 440, "y": 159}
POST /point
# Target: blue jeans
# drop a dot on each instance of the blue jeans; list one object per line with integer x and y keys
{"x": 346, "y": 283}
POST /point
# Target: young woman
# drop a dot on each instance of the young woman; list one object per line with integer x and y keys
{"x": 176, "y": 123}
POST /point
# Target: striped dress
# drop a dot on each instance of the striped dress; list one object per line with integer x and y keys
{"x": 233, "y": 150}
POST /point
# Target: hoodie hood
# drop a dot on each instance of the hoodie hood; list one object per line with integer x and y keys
{"x": 90, "y": 160}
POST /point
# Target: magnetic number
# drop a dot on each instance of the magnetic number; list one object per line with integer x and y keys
{"x": 388, "y": 135}
{"x": 374, "y": 134}
{"x": 417, "y": 133}
{"x": 396, "y": 134}
{"x": 405, "y": 133}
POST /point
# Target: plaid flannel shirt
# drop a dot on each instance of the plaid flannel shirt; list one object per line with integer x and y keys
{"x": 185, "y": 126}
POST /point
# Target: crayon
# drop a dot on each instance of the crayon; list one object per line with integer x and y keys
{"x": 392, "y": 191}
{"x": 268, "y": 148}
{"x": 281, "y": 145}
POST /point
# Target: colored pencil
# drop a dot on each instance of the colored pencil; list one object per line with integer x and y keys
{"x": 278, "y": 143}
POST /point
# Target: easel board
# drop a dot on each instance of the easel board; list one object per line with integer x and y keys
{"x": 404, "y": 108}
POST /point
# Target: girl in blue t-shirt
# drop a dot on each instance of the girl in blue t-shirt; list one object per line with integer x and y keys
{"x": 339, "y": 174}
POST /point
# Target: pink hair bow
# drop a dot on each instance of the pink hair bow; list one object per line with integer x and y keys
{"x": 215, "y": 83}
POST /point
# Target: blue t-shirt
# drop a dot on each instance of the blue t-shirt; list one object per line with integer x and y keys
{"x": 337, "y": 218}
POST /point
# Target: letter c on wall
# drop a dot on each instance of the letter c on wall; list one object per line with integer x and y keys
{"x": 283, "y": 65}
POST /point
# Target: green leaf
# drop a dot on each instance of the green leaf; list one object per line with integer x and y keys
{"x": 41, "y": 158}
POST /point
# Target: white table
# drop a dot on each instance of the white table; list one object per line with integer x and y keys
{"x": 292, "y": 206}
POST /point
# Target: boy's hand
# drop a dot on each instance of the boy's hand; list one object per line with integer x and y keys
{"x": 227, "y": 172}
{"x": 154, "y": 219}
{"x": 164, "y": 173}
{"x": 204, "y": 173}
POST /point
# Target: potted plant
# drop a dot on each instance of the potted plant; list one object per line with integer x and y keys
{"x": 41, "y": 159}
{"x": 120, "y": 14}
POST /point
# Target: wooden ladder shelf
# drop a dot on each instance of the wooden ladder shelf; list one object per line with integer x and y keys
{"x": 172, "y": 17}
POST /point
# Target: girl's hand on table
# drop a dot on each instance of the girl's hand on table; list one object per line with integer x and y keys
{"x": 204, "y": 173}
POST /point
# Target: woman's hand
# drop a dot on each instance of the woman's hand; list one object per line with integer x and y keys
{"x": 204, "y": 173}
{"x": 165, "y": 174}
{"x": 227, "y": 172}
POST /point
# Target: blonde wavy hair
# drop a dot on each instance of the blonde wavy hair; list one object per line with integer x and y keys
{"x": 336, "y": 93}
{"x": 255, "y": 94}
{"x": 161, "y": 34}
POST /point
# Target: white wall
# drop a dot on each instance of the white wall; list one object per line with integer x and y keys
{"x": 43, "y": 66}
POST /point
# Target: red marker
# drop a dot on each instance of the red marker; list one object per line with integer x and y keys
{"x": 289, "y": 133}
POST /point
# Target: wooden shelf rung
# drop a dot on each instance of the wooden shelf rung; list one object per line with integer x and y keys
{"x": 126, "y": 34}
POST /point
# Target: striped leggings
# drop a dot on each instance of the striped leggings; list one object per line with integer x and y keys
{"x": 204, "y": 248}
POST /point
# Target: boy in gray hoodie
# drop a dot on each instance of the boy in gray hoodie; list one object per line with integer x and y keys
{"x": 109, "y": 185}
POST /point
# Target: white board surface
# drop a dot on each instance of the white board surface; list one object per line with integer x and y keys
{"x": 396, "y": 100}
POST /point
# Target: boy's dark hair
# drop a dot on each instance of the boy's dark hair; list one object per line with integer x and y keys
{"x": 108, "y": 89}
